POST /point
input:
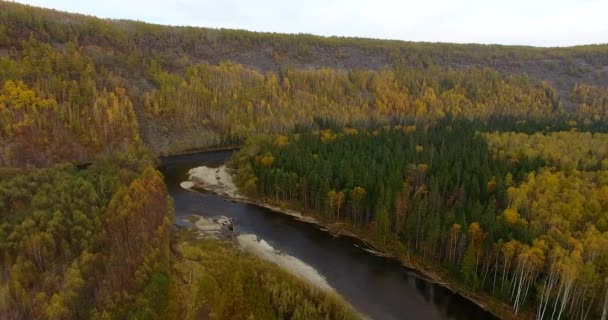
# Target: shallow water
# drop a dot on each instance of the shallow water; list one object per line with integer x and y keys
{"x": 378, "y": 287}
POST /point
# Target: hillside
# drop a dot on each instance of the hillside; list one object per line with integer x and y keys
{"x": 114, "y": 84}
{"x": 482, "y": 166}
{"x": 85, "y": 244}
{"x": 97, "y": 243}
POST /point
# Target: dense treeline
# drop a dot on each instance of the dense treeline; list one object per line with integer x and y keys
{"x": 91, "y": 243}
{"x": 238, "y": 102}
{"x": 566, "y": 216}
{"x": 566, "y": 150}
{"x": 496, "y": 217}
{"x": 242, "y": 101}
{"x": 592, "y": 101}
{"x": 220, "y": 282}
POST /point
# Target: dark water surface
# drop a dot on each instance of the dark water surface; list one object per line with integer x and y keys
{"x": 378, "y": 287}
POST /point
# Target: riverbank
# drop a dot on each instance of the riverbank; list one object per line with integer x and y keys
{"x": 190, "y": 151}
{"x": 216, "y": 180}
{"x": 219, "y": 181}
{"x": 222, "y": 228}
{"x": 213, "y": 279}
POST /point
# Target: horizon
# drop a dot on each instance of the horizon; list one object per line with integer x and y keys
{"x": 378, "y": 24}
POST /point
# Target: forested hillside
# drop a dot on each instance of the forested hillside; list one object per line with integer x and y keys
{"x": 76, "y": 86}
{"x": 485, "y": 165}
{"x": 85, "y": 244}
{"x": 519, "y": 217}
{"x": 95, "y": 243}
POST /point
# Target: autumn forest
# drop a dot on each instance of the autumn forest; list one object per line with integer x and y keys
{"x": 485, "y": 165}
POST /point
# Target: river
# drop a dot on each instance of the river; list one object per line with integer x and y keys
{"x": 380, "y": 288}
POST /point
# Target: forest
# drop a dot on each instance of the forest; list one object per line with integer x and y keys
{"x": 484, "y": 163}
{"x": 97, "y": 243}
{"x": 90, "y": 243}
{"x": 98, "y": 85}
{"x": 519, "y": 217}
{"x": 51, "y": 109}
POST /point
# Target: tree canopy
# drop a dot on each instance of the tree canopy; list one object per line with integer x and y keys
{"x": 519, "y": 217}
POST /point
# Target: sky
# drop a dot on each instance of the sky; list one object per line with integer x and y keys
{"x": 519, "y": 22}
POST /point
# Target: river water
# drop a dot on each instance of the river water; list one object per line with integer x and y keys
{"x": 378, "y": 287}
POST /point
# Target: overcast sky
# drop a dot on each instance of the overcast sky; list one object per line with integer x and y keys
{"x": 527, "y": 22}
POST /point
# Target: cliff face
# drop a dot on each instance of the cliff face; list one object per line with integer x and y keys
{"x": 153, "y": 62}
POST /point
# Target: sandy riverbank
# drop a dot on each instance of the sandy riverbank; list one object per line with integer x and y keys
{"x": 219, "y": 181}
{"x": 291, "y": 264}
{"x": 219, "y": 228}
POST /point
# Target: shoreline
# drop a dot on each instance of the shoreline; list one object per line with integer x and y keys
{"x": 217, "y": 184}
{"x": 221, "y": 228}
{"x": 192, "y": 151}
